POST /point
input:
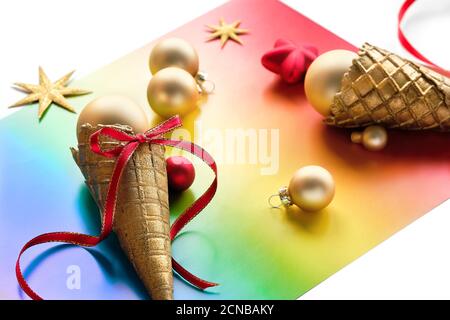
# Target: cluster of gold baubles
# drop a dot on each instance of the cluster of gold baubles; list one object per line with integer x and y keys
{"x": 173, "y": 89}
{"x": 323, "y": 81}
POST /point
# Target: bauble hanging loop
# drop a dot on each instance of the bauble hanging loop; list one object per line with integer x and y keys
{"x": 283, "y": 196}
{"x": 205, "y": 86}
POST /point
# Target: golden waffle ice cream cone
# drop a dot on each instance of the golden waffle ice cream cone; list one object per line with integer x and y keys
{"x": 383, "y": 88}
{"x": 141, "y": 219}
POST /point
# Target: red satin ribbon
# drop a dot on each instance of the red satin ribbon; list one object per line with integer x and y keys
{"x": 405, "y": 42}
{"x": 123, "y": 154}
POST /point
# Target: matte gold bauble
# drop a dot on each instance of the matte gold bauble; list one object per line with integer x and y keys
{"x": 374, "y": 138}
{"x": 323, "y": 78}
{"x": 172, "y": 91}
{"x": 311, "y": 188}
{"x": 114, "y": 109}
{"x": 174, "y": 52}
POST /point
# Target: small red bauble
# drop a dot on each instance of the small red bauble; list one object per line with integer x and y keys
{"x": 180, "y": 173}
{"x": 288, "y": 60}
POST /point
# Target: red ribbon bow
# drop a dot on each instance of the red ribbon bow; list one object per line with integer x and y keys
{"x": 123, "y": 154}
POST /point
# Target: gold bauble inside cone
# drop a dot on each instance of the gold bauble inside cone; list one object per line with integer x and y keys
{"x": 174, "y": 52}
{"x": 114, "y": 109}
{"x": 323, "y": 78}
{"x": 172, "y": 91}
{"x": 311, "y": 188}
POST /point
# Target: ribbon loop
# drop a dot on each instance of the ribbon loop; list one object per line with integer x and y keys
{"x": 96, "y": 145}
{"x": 406, "y": 43}
{"x": 124, "y": 152}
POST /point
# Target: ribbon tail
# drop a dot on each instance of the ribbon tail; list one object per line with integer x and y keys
{"x": 164, "y": 127}
{"x": 62, "y": 237}
{"x": 191, "y": 212}
{"x": 405, "y": 42}
{"x": 192, "y": 279}
{"x": 79, "y": 239}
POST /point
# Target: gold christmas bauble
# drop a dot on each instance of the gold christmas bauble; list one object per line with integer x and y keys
{"x": 172, "y": 91}
{"x": 374, "y": 138}
{"x": 174, "y": 52}
{"x": 323, "y": 78}
{"x": 311, "y": 188}
{"x": 114, "y": 109}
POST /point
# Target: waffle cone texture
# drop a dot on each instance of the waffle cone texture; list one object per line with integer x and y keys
{"x": 141, "y": 219}
{"x": 383, "y": 88}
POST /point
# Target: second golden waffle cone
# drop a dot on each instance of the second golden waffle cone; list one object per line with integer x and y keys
{"x": 383, "y": 88}
{"x": 142, "y": 211}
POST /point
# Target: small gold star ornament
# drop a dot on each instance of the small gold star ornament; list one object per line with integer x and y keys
{"x": 226, "y": 32}
{"x": 47, "y": 92}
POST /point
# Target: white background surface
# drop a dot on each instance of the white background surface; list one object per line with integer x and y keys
{"x": 86, "y": 34}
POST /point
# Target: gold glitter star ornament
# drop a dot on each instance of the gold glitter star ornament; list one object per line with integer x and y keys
{"x": 226, "y": 32}
{"x": 47, "y": 92}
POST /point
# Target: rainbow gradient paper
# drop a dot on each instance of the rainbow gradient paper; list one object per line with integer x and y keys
{"x": 253, "y": 251}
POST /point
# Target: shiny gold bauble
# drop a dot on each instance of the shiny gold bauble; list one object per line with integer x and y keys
{"x": 172, "y": 91}
{"x": 114, "y": 109}
{"x": 323, "y": 78}
{"x": 311, "y": 188}
{"x": 374, "y": 138}
{"x": 174, "y": 52}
